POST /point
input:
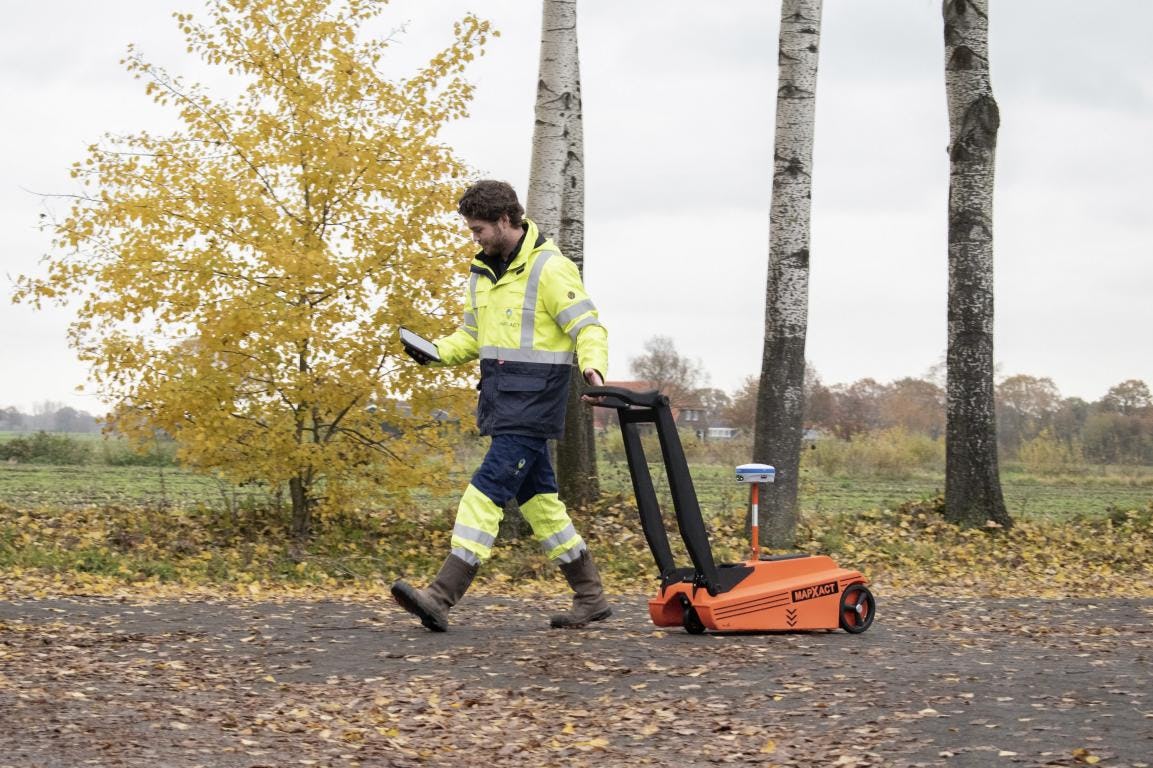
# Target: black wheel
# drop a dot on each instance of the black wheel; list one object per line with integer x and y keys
{"x": 857, "y": 609}
{"x": 693, "y": 623}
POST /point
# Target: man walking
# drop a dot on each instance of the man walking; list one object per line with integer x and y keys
{"x": 526, "y": 313}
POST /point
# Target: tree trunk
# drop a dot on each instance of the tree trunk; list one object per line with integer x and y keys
{"x": 780, "y": 399}
{"x": 576, "y": 453}
{"x": 972, "y": 481}
{"x": 300, "y": 484}
{"x": 298, "y": 490}
{"x": 556, "y": 203}
{"x": 513, "y": 525}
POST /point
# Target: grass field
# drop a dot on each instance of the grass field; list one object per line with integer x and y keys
{"x": 1094, "y": 491}
{"x": 34, "y": 485}
{"x": 1027, "y": 496}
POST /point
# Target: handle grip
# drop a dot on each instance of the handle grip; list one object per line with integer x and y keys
{"x": 619, "y": 397}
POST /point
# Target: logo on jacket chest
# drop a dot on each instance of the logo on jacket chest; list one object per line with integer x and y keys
{"x": 511, "y": 318}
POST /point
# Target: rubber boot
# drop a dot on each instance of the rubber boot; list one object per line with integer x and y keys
{"x": 431, "y": 604}
{"x": 589, "y": 603}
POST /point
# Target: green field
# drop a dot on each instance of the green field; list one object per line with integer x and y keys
{"x": 166, "y": 487}
{"x": 34, "y": 485}
{"x": 1026, "y": 496}
{"x": 1093, "y": 491}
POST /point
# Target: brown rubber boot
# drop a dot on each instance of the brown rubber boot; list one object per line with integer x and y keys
{"x": 589, "y": 603}
{"x": 431, "y": 605}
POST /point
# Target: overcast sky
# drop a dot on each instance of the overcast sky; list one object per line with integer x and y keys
{"x": 679, "y": 106}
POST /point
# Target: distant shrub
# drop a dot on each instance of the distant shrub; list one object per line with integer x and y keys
{"x": 732, "y": 453}
{"x": 698, "y": 450}
{"x": 121, "y": 453}
{"x": 45, "y": 448}
{"x": 1134, "y": 519}
{"x": 894, "y": 452}
{"x": 1047, "y": 454}
{"x": 612, "y": 443}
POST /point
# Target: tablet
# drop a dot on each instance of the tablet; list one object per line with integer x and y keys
{"x": 419, "y": 343}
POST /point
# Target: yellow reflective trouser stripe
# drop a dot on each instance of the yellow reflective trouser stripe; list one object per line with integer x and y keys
{"x": 477, "y": 522}
{"x": 552, "y": 527}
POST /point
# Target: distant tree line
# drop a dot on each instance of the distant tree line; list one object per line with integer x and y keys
{"x": 48, "y": 417}
{"x": 1031, "y": 415}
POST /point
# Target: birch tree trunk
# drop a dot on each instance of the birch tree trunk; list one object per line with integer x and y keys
{"x": 780, "y": 398}
{"x": 972, "y": 480}
{"x": 556, "y": 203}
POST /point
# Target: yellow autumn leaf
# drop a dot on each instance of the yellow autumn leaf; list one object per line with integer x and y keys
{"x": 1082, "y": 755}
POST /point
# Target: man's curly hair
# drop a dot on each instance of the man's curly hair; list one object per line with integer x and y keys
{"x": 488, "y": 200}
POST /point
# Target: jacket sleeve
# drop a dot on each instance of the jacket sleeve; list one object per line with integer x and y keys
{"x": 565, "y": 299}
{"x": 460, "y": 346}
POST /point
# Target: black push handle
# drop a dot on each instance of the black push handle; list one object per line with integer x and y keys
{"x": 619, "y": 397}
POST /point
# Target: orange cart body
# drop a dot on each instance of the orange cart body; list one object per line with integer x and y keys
{"x": 794, "y": 594}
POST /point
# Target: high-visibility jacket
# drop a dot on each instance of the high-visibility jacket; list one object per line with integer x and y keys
{"x": 525, "y": 327}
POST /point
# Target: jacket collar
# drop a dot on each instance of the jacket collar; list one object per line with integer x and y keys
{"x": 528, "y": 244}
{"x": 531, "y": 241}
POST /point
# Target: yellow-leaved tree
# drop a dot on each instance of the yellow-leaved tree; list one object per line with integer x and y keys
{"x": 239, "y": 283}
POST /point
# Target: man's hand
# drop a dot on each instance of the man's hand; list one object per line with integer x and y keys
{"x": 593, "y": 379}
{"x": 417, "y": 355}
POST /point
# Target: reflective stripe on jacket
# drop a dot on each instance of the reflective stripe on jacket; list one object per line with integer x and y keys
{"x": 525, "y": 328}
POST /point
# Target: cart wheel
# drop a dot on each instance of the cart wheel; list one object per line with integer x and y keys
{"x": 693, "y": 623}
{"x": 857, "y": 609}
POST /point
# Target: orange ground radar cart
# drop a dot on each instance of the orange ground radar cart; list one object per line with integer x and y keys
{"x": 765, "y": 593}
